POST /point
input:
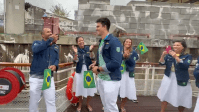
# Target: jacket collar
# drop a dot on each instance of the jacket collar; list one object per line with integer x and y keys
{"x": 81, "y": 50}
{"x": 181, "y": 55}
{"x": 108, "y": 38}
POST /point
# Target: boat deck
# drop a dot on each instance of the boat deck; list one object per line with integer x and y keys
{"x": 146, "y": 104}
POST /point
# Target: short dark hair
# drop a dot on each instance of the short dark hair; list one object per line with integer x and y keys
{"x": 78, "y": 38}
{"x": 105, "y": 22}
{"x": 183, "y": 43}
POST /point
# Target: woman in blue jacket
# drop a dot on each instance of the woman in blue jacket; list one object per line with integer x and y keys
{"x": 196, "y": 75}
{"x": 83, "y": 56}
{"x": 176, "y": 87}
{"x": 127, "y": 88}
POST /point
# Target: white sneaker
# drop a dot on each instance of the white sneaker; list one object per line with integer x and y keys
{"x": 97, "y": 93}
{"x": 102, "y": 108}
{"x": 135, "y": 101}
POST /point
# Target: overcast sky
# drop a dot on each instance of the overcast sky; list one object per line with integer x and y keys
{"x": 70, "y": 5}
{"x": 1, "y": 7}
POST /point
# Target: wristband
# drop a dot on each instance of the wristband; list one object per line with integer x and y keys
{"x": 98, "y": 70}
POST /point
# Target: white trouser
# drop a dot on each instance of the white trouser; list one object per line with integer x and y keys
{"x": 35, "y": 94}
{"x": 96, "y": 79}
{"x": 197, "y": 105}
{"x": 109, "y": 91}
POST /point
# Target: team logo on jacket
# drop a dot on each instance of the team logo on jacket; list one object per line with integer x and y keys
{"x": 189, "y": 61}
{"x": 118, "y": 49}
{"x": 197, "y": 65}
{"x": 56, "y": 47}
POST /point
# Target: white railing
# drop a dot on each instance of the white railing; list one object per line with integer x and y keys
{"x": 147, "y": 85}
{"x": 21, "y": 103}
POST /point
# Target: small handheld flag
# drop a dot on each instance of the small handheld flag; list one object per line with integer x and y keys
{"x": 47, "y": 79}
{"x": 89, "y": 79}
{"x": 123, "y": 67}
{"x": 143, "y": 49}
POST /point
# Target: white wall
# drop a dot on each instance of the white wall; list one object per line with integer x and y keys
{"x": 14, "y": 16}
{"x": 122, "y": 2}
{"x": 1, "y": 7}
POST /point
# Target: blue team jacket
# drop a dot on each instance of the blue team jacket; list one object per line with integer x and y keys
{"x": 88, "y": 62}
{"x": 196, "y": 73}
{"x": 112, "y": 55}
{"x": 181, "y": 68}
{"x": 44, "y": 55}
{"x": 131, "y": 61}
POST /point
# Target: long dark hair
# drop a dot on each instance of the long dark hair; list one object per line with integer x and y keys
{"x": 183, "y": 43}
{"x": 131, "y": 48}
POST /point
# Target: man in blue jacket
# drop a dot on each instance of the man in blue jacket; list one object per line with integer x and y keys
{"x": 108, "y": 65}
{"x": 45, "y": 56}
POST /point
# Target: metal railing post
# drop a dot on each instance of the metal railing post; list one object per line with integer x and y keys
{"x": 146, "y": 80}
{"x": 152, "y": 79}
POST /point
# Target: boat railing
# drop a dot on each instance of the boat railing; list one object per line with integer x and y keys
{"x": 148, "y": 78}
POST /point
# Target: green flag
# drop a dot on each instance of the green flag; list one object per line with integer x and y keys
{"x": 89, "y": 79}
{"x": 47, "y": 79}
{"x": 143, "y": 49}
{"x": 123, "y": 67}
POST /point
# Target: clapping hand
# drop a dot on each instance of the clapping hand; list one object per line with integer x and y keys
{"x": 91, "y": 48}
{"x": 126, "y": 54}
{"x": 74, "y": 49}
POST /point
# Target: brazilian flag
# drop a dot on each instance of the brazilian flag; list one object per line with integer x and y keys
{"x": 47, "y": 79}
{"x": 89, "y": 79}
{"x": 143, "y": 49}
{"x": 123, "y": 67}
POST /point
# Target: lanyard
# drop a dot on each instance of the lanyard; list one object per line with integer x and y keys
{"x": 106, "y": 36}
{"x": 102, "y": 41}
{"x": 49, "y": 56}
{"x": 82, "y": 50}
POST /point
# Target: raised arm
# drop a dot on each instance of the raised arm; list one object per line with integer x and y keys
{"x": 40, "y": 46}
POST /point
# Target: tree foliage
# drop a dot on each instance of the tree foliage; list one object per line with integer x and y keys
{"x": 59, "y": 10}
{"x": 27, "y": 5}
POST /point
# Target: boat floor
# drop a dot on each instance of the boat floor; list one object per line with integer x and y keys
{"x": 146, "y": 104}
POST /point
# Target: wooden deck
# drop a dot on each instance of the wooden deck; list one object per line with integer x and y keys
{"x": 146, "y": 104}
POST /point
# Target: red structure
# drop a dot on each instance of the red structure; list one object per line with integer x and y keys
{"x": 52, "y": 23}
